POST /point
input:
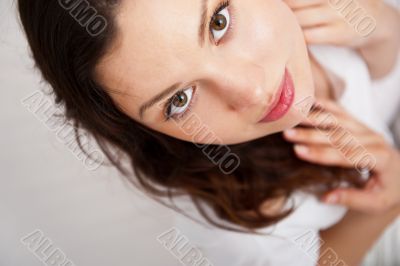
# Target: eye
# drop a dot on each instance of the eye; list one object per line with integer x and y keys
{"x": 220, "y": 22}
{"x": 180, "y": 103}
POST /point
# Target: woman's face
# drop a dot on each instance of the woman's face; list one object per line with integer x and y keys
{"x": 210, "y": 83}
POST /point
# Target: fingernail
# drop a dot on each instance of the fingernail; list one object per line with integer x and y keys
{"x": 333, "y": 198}
{"x": 290, "y": 132}
{"x": 301, "y": 149}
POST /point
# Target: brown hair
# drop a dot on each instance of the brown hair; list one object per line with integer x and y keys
{"x": 66, "y": 48}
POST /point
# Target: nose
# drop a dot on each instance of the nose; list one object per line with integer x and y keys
{"x": 240, "y": 85}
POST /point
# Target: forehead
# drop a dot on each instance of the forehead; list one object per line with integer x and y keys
{"x": 156, "y": 41}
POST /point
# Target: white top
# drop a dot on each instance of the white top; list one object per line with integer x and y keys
{"x": 386, "y": 94}
{"x": 294, "y": 240}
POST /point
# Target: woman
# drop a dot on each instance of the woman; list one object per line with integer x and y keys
{"x": 235, "y": 73}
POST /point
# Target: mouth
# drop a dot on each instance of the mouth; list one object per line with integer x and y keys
{"x": 282, "y": 102}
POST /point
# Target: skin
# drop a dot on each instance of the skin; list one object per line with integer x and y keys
{"x": 235, "y": 79}
{"x": 324, "y": 22}
{"x": 317, "y": 144}
{"x": 373, "y": 208}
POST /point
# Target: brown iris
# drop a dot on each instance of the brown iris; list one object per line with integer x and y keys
{"x": 219, "y": 22}
{"x": 180, "y": 99}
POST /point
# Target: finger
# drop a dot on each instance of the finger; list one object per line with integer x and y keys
{"x": 351, "y": 155}
{"x": 327, "y": 119}
{"x": 360, "y": 200}
{"x": 338, "y": 33}
{"x": 372, "y": 184}
{"x": 295, "y": 4}
{"x": 335, "y": 108}
{"x": 317, "y": 136}
{"x": 323, "y": 155}
{"x": 315, "y": 16}
{"x": 328, "y": 108}
{"x": 380, "y": 156}
{"x": 306, "y": 136}
{"x": 329, "y": 105}
{"x": 321, "y": 119}
{"x": 325, "y": 34}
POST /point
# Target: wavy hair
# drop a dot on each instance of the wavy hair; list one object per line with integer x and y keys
{"x": 66, "y": 49}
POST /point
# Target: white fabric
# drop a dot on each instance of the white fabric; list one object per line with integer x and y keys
{"x": 387, "y": 97}
{"x": 280, "y": 248}
{"x": 377, "y": 108}
{"x": 283, "y": 244}
{"x": 358, "y": 97}
{"x": 386, "y": 94}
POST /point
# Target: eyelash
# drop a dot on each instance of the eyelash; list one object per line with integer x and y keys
{"x": 188, "y": 109}
{"x": 219, "y": 8}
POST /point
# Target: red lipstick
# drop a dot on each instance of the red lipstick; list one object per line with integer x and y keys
{"x": 283, "y": 100}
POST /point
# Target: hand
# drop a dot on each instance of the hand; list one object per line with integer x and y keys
{"x": 323, "y": 143}
{"x": 324, "y": 22}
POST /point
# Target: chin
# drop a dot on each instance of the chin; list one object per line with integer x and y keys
{"x": 293, "y": 118}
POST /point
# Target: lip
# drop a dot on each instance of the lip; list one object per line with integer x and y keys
{"x": 282, "y": 102}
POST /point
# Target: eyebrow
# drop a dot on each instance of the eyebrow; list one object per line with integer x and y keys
{"x": 157, "y": 98}
{"x": 203, "y": 22}
{"x": 166, "y": 92}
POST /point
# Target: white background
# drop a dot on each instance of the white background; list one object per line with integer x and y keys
{"x": 91, "y": 216}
